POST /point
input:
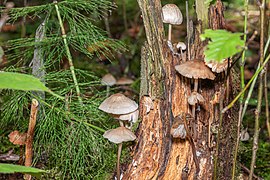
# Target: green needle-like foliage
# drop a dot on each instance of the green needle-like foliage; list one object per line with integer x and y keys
{"x": 66, "y": 140}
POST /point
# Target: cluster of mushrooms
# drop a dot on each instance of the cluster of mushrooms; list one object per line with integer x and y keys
{"x": 194, "y": 69}
{"x": 126, "y": 112}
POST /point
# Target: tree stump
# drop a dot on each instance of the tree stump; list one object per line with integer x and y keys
{"x": 156, "y": 154}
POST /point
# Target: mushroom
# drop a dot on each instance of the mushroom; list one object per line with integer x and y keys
{"x": 218, "y": 67}
{"x": 124, "y": 81}
{"x": 194, "y": 98}
{"x": 118, "y": 104}
{"x": 178, "y": 129}
{"x": 118, "y": 136}
{"x": 197, "y": 70}
{"x": 172, "y": 15}
{"x": 181, "y": 46}
{"x": 108, "y": 80}
{"x": 131, "y": 117}
{"x": 244, "y": 136}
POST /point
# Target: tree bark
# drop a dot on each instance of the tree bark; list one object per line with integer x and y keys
{"x": 156, "y": 154}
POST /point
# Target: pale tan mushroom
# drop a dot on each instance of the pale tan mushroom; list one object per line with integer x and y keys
{"x": 218, "y": 67}
{"x": 195, "y": 69}
{"x": 118, "y": 104}
{"x": 172, "y": 15}
{"x": 108, "y": 80}
{"x": 124, "y": 81}
{"x": 118, "y": 136}
{"x": 244, "y": 135}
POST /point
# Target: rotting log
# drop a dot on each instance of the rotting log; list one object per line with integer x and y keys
{"x": 156, "y": 154}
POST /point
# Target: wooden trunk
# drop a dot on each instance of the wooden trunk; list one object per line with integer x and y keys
{"x": 156, "y": 154}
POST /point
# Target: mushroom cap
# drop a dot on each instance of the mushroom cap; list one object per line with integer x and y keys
{"x": 218, "y": 67}
{"x": 118, "y": 104}
{"x": 124, "y": 80}
{"x": 133, "y": 116}
{"x": 108, "y": 80}
{"x": 194, "y": 98}
{"x": 195, "y": 69}
{"x": 178, "y": 128}
{"x": 244, "y": 135}
{"x": 181, "y": 45}
{"x": 119, "y": 135}
{"x": 171, "y": 14}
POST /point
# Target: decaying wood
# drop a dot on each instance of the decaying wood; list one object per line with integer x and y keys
{"x": 156, "y": 154}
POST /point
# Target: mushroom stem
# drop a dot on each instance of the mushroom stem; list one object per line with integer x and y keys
{"x": 195, "y": 90}
{"x": 107, "y": 91}
{"x": 121, "y": 123}
{"x": 118, "y": 160}
{"x": 170, "y": 32}
{"x": 194, "y": 109}
{"x": 181, "y": 52}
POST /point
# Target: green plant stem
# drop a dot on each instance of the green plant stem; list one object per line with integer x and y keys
{"x": 247, "y": 85}
{"x": 266, "y": 102}
{"x": 242, "y": 74}
{"x": 260, "y": 94}
{"x": 71, "y": 115}
{"x": 64, "y": 36}
{"x": 254, "y": 81}
{"x": 242, "y": 62}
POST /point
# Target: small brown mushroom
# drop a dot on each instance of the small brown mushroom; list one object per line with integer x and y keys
{"x": 172, "y": 15}
{"x": 218, "y": 67}
{"x": 118, "y": 136}
{"x": 118, "y": 104}
{"x": 108, "y": 80}
{"x": 181, "y": 46}
{"x": 244, "y": 135}
{"x": 124, "y": 81}
{"x": 178, "y": 129}
{"x": 197, "y": 70}
{"x": 194, "y": 98}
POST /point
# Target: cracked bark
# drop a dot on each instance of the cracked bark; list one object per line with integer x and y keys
{"x": 156, "y": 154}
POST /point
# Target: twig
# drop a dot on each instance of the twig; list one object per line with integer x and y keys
{"x": 266, "y": 102}
{"x": 260, "y": 94}
{"x": 107, "y": 24}
{"x": 188, "y": 32}
{"x": 248, "y": 171}
{"x": 254, "y": 81}
{"x": 242, "y": 67}
{"x": 64, "y": 36}
{"x": 247, "y": 85}
{"x": 125, "y": 15}
{"x": 265, "y": 85}
{"x": 30, "y": 136}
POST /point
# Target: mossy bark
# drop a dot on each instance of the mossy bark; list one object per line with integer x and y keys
{"x": 156, "y": 154}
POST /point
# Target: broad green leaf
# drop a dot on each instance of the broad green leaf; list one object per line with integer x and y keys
{"x": 222, "y": 45}
{"x": 11, "y": 168}
{"x": 18, "y": 81}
